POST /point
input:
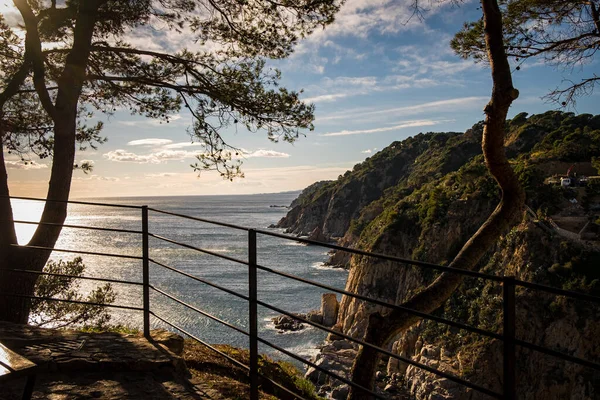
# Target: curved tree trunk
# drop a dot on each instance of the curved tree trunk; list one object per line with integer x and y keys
{"x": 383, "y": 329}
{"x": 64, "y": 115}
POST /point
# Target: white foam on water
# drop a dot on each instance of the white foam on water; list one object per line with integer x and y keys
{"x": 307, "y": 350}
{"x": 325, "y": 267}
{"x": 219, "y": 250}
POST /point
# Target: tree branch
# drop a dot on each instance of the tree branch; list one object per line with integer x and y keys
{"x": 383, "y": 329}
{"x": 7, "y": 226}
{"x": 33, "y": 50}
{"x": 595, "y": 16}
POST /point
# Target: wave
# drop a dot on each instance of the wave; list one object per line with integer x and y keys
{"x": 294, "y": 243}
{"x": 308, "y": 350}
{"x": 325, "y": 267}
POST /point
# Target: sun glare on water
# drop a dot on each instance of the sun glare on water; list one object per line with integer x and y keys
{"x": 24, "y": 210}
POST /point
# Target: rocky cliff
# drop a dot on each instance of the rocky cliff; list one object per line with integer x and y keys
{"x": 423, "y": 198}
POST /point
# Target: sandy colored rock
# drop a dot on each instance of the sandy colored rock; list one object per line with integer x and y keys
{"x": 329, "y": 308}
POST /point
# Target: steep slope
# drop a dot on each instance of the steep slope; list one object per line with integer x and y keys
{"x": 441, "y": 195}
{"x": 331, "y": 206}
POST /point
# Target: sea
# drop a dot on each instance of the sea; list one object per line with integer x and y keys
{"x": 251, "y": 211}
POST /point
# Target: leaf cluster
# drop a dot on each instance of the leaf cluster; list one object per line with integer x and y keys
{"x": 564, "y": 34}
{"x": 60, "y": 281}
{"x": 223, "y": 83}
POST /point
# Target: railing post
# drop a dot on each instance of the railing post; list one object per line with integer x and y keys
{"x": 146, "y": 271}
{"x": 253, "y": 318}
{"x": 509, "y": 322}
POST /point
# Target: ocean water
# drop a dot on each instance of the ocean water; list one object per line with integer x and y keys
{"x": 252, "y": 211}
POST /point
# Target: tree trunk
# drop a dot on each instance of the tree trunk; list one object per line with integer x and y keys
{"x": 64, "y": 115}
{"x": 381, "y": 330}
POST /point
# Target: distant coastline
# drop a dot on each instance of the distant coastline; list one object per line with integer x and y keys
{"x": 290, "y": 192}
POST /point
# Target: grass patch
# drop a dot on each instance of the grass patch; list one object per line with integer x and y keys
{"x": 233, "y": 382}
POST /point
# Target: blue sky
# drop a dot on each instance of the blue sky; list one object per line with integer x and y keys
{"x": 375, "y": 76}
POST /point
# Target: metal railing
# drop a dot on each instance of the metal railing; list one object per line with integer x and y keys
{"x": 509, "y": 284}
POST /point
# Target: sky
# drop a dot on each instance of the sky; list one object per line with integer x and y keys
{"x": 375, "y": 75}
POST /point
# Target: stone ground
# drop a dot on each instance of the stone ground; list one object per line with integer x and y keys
{"x": 76, "y": 365}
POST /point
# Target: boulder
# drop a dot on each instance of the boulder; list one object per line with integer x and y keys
{"x": 340, "y": 392}
{"x": 318, "y": 235}
{"x": 286, "y": 323}
{"x": 315, "y": 316}
{"x": 172, "y": 341}
{"x": 332, "y": 336}
{"x": 329, "y": 308}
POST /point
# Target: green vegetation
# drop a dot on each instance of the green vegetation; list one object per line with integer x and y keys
{"x": 232, "y": 381}
{"x": 442, "y": 194}
{"x": 50, "y": 97}
{"x": 63, "y": 283}
{"x": 444, "y": 170}
{"x": 123, "y": 329}
{"x": 562, "y": 34}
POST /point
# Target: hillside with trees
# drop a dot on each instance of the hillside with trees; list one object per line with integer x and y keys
{"x": 434, "y": 198}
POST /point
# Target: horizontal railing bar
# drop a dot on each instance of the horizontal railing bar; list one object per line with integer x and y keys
{"x": 296, "y": 357}
{"x": 87, "y": 203}
{"x": 209, "y": 283}
{"x": 236, "y": 362}
{"x": 71, "y": 301}
{"x": 191, "y": 307}
{"x": 560, "y": 292}
{"x": 558, "y": 354}
{"x": 386, "y": 304}
{"x": 460, "y": 271}
{"x": 92, "y": 253}
{"x": 89, "y": 278}
{"x": 92, "y": 228}
{"x": 208, "y": 221}
{"x": 386, "y": 352}
{"x": 202, "y": 342}
{"x": 212, "y": 253}
{"x": 280, "y": 386}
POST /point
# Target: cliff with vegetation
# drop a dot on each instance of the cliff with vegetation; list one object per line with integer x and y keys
{"x": 422, "y": 198}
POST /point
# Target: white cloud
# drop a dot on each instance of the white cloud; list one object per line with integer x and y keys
{"x": 326, "y": 97}
{"x": 97, "y": 178}
{"x": 24, "y": 165}
{"x": 333, "y": 89}
{"x": 266, "y": 154}
{"x": 161, "y": 175}
{"x": 407, "y": 124}
{"x": 182, "y": 145}
{"x": 350, "y": 81}
{"x": 165, "y": 154}
{"x": 158, "y": 157}
{"x": 440, "y": 105}
{"x": 360, "y": 17}
{"x": 367, "y": 151}
{"x": 318, "y": 69}
{"x": 149, "y": 142}
{"x": 174, "y": 120}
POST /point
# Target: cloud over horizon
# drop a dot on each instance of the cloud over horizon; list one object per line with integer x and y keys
{"x": 24, "y": 165}
{"x": 406, "y": 124}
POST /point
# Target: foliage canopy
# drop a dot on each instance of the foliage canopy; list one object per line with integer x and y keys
{"x": 223, "y": 81}
{"x": 565, "y": 34}
{"x": 65, "y": 61}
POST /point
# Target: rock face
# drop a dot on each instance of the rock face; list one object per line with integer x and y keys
{"x": 286, "y": 323}
{"x": 326, "y": 316}
{"x": 331, "y": 206}
{"x": 436, "y": 196}
{"x": 329, "y": 308}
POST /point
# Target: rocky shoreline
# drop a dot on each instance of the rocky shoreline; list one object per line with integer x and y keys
{"x": 422, "y": 199}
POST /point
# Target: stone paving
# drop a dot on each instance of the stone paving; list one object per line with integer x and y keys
{"x": 76, "y": 365}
